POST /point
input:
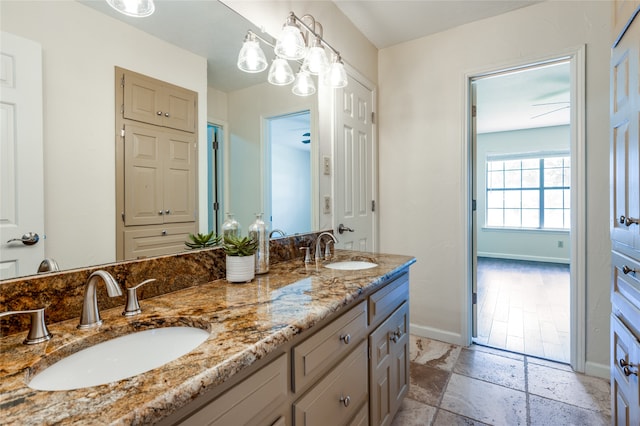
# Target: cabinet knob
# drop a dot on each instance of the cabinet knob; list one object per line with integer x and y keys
{"x": 627, "y": 371}
{"x": 166, "y": 114}
{"x": 159, "y": 113}
{"x": 167, "y": 211}
{"x": 346, "y": 338}
{"x": 160, "y": 212}
{"x": 346, "y": 400}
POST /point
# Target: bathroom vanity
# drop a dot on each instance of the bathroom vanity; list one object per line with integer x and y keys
{"x": 303, "y": 344}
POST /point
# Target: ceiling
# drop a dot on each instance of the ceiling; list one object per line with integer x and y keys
{"x": 216, "y": 32}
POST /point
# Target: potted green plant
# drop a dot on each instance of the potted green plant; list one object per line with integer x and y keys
{"x": 240, "y": 259}
{"x": 202, "y": 240}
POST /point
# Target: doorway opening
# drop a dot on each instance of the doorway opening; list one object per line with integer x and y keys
{"x": 288, "y": 183}
{"x": 523, "y": 209}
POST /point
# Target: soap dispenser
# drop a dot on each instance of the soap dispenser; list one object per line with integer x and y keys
{"x": 230, "y": 226}
{"x": 258, "y": 232}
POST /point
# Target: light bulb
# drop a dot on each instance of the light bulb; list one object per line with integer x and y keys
{"x": 251, "y": 57}
{"x": 303, "y": 85}
{"x": 336, "y": 77}
{"x": 316, "y": 61}
{"x": 135, "y": 8}
{"x": 280, "y": 73}
{"x": 290, "y": 43}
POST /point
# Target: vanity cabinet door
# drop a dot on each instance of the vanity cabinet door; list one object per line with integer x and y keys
{"x": 389, "y": 366}
{"x": 625, "y": 390}
{"x": 155, "y": 102}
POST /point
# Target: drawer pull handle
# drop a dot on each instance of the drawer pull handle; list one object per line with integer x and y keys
{"x": 626, "y": 270}
{"x": 628, "y": 221}
{"x": 346, "y": 338}
{"x": 346, "y": 400}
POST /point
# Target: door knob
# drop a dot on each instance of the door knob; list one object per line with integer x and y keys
{"x": 28, "y": 239}
{"x": 342, "y": 229}
{"x": 628, "y": 221}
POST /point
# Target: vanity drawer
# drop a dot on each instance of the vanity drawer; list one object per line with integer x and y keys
{"x": 317, "y": 354}
{"x": 339, "y": 397}
{"x": 625, "y": 291}
{"x": 387, "y": 299}
{"x": 258, "y": 400}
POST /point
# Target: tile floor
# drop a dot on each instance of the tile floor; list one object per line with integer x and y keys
{"x": 524, "y": 307}
{"x": 453, "y": 385}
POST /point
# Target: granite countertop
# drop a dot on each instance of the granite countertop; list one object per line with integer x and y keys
{"x": 246, "y": 322}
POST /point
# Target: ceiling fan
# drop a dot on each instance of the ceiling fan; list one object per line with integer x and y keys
{"x": 566, "y": 105}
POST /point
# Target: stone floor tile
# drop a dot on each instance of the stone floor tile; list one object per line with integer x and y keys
{"x": 433, "y": 353}
{"x": 446, "y": 418}
{"x": 483, "y": 401}
{"x": 572, "y": 388}
{"x": 547, "y": 412}
{"x": 414, "y": 413}
{"x": 491, "y": 368}
{"x": 499, "y": 352}
{"x": 548, "y": 363}
{"x": 427, "y": 383}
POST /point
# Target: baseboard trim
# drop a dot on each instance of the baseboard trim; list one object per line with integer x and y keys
{"x": 598, "y": 370}
{"x": 436, "y": 334}
{"x": 524, "y": 257}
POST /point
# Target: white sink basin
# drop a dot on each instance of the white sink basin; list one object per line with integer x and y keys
{"x": 119, "y": 358}
{"x": 351, "y": 265}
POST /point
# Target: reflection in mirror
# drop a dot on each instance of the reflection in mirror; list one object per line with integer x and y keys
{"x": 82, "y": 43}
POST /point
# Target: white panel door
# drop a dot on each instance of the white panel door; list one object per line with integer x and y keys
{"x": 354, "y": 166}
{"x": 21, "y": 162}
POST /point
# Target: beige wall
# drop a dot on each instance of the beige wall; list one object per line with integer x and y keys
{"x": 80, "y": 49}
{"x": 422, "y": 166}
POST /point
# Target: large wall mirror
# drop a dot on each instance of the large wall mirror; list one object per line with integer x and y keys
{"x": 192, "y": 44}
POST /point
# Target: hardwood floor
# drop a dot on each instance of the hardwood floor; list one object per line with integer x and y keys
{"x": 523, "y": 307}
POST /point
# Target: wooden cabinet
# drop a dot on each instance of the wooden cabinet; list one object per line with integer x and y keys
{"x": 352, "y": 370}
{"x": 156, "y": 166}
{"x": 159, "y": 176}
{"x": 155, "y": 102}
{"x": 389, "y": 366}
{"x": 625, "y": 214}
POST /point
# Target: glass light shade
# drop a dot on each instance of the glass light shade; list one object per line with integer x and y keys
{"x": 303, "y": 85}
{"x": 290, "y": 43}
{"x": 251, "y": 58}
{"x": 135, "y": 8}
{"x": 280, "y": 73}
{"x": 336, "y": 77}
{"x": 316, "y": 61}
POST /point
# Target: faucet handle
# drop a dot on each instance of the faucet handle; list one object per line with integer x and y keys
{"x": 38, "y": 331}
{"x": 307, "y": 254}
{"x": 132, "y": 306}
{"x": 327, "y": 250}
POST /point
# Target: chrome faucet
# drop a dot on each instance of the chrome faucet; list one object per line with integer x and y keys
{"x": 279, "y": 231}
{"x": 90, "y": 316}
{"x": 48, "y": 265}
{"x": 318, "y": 253}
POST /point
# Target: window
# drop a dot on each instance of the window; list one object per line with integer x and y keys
{"x": 529, "y": 191}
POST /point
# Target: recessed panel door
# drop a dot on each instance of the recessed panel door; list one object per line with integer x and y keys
{"x": 354, "y": 165}
{"x": 180, "y": 179}
{"x": 21, "y": 161}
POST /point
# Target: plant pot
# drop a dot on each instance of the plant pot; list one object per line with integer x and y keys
{"x": 241, "y": 269}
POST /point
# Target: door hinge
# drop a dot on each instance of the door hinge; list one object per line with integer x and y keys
{"x": 122, "y": 214}
{"x": 474, "y": 110}
{"x": 473, "y": 205}
{"x": 122, "y": 109}
{"x": 373, "y": 117}
{"x": 216, "y": 206}
{"x": 122, "y": 131}
{"x": 474, "y": 298}
{"x": 122, "y": 81}
{"x": 373, "y": 205}
{"x": 215, "y": 145}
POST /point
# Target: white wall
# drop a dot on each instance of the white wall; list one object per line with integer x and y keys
{"x": 534, "y": 245}
{"x": 422, "y": 174}
{"x": 246, "y": 110}
{"x": 80, "y": 48}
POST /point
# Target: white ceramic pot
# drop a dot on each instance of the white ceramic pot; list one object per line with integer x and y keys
{"x": 241, "y": 269}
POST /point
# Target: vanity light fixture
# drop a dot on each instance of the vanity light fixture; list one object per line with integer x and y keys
{"x": 301, "y": 40}
{"x": 135, "y": 8}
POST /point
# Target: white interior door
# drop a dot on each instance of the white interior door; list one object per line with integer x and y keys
{"x": 21, "y": 162}
{"x": 354, "y": 164}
